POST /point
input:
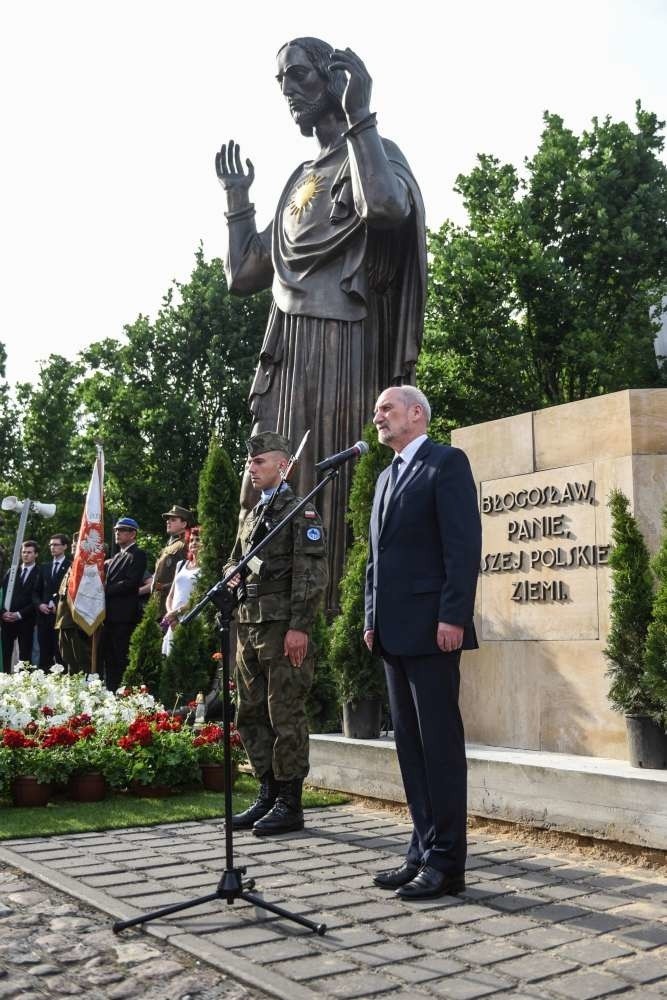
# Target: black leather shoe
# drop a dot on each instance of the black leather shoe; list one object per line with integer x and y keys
{"x": 430, "y": 883}
{"x": 395, "y": 877}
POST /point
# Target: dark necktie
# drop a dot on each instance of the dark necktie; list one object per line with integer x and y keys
{"x": 24, "y": 575}
{"x": 391, "y": 485}
{"x": 393, "y": 474}
{"x": 54, "y": 570}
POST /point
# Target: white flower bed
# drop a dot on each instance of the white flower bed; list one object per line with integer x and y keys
{"x": 24, "y": 695}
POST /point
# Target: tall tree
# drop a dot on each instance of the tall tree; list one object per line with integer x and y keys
{"x": 553, "y": 290}
{"x": 52, "y": 463}
{"x": 156, "y": 400}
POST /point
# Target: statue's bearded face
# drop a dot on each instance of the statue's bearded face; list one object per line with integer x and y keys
{"x": 303, "y": 88}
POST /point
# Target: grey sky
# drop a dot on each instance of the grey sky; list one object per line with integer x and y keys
{"x": 112, "y": 114}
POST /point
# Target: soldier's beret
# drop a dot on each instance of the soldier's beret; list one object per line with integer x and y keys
{"x": 127, "y": 522}
{"x": 182, "y": 512}
{"x": 267, "y": 441}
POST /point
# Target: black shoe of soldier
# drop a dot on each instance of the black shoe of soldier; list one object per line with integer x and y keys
{"x": 286, "y": 814}
{"x": 268, "y": 790}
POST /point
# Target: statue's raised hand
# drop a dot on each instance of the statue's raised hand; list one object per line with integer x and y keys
{"x": 234, "y": 179}
{"x": 357, "y": 96}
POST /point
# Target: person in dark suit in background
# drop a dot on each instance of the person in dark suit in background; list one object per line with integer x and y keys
{"x": 424, "y": 556}
{"x": 18, "y": 619}
{"x": 46, "y": 595}
{"x": 125, "y": 574}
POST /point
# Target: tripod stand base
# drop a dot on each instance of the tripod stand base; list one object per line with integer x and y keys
{"x": 230, "y": 888}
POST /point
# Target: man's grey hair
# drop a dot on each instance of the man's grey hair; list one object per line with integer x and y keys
{"x": 412, "y": 396}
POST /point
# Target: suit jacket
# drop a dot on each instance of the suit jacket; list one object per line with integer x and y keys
{"x": 47, "y": 588}
{"x": 23, "y": 596}
{"x": 125, "y": 574}
{"x": 424, "y": 557}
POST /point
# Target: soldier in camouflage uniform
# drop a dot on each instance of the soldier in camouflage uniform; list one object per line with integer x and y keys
{"x": 279, "y": 598}
{"x": 179, "y": 520}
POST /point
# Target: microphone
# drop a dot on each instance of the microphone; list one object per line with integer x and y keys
{"x": 360, "y": 448}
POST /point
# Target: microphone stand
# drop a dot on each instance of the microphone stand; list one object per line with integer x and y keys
{"x": 232, "y": 885}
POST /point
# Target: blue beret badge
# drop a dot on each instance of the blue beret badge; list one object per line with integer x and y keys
{"x": 313, "y": 534}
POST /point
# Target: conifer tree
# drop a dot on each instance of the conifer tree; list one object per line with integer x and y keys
{"x": 189, "y": 668}
{"x": 145, "y": 658}
{"x": 656, "y": 640}
{"x": 218, "y": 508}
{"x": 629, "y": 611}
{"x": 359, "y": 675}
{"x": 322, "y": 701}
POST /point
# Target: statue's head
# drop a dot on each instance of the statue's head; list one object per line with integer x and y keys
{"x": 309, "y": 86}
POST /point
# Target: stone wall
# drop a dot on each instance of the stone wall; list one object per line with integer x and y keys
{"x": 538, "y": 681}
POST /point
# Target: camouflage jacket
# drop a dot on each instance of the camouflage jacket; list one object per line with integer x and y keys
{"x": 288, "y": 579}
{"x": 165, "y": 567}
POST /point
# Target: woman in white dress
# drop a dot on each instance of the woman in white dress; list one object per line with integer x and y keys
{"x": 180, "y": 593}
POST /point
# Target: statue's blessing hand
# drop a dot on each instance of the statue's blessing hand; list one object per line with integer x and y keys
{"x": 229, "y": 168}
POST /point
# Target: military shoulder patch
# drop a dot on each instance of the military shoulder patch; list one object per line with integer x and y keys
{"x": 313, "y": 534}
{"x": 310, "y": 513}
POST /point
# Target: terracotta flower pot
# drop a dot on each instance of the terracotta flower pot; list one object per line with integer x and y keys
{"x": 213, "y": 776}
{"x": 28, "y": 791}
{"x": 87, "y": 787}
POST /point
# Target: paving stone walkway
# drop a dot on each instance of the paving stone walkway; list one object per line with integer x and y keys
{"x": 530, "y": 924}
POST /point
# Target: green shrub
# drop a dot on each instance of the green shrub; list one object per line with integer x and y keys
{"x": 145, "y": 659}
{"x": 630, "y": 612}
{"x": 656, "y": 639}
{"x": 359, "y": 675}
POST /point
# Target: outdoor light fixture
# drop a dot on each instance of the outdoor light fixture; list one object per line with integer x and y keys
{"x": 22, "y": 507}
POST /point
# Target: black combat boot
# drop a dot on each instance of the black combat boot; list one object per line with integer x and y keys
{"x": 266, "y": 796}
{"x": 286, "y": 814}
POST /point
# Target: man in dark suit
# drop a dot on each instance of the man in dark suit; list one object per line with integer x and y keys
{"x": 46, "y": 593}
{"x": 424, "y": 555}
{"x": 18, "y": 617}
{"x": 125, "y": 574}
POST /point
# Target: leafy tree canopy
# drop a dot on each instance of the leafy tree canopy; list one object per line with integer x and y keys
{"x": 553, "y": 290}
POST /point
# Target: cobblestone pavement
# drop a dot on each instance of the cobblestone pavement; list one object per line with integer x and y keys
{"x": 53, "y": 946}
{"x": 531, "y": 923}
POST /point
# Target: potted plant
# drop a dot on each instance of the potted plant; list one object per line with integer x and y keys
{"x": 630, "y": 614}
{"x": 211, "y": 755}
{"x": 359, "y": 674}
{"x": 35, "y": 768}
{"x": 161, "y": 756}
{"x": 95, "y": 763}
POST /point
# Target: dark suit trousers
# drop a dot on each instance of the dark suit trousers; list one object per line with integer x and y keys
{"x": 23, "y": 631}
{"x": 115, "y": 645}
{"x": 48, "y": 640}
{"x": 424, "y": 701}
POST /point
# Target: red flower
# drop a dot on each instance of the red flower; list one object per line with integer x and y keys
{"x": 46, "y": 711}
{"x": 15, "y": 739}
{"x": 127, "y": 742}
{"x": 59, "y": 736}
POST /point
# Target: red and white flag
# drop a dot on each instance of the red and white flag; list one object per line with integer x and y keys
{"x": 85, "y": 590}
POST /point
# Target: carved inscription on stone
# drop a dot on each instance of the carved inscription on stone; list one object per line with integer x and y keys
{"x": 540, "y": 561}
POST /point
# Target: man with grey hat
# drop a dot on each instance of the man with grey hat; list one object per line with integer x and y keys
{"x": 179, "y": 521}
{"x": 124, "y": 574}
{"x": 279, "y": 598}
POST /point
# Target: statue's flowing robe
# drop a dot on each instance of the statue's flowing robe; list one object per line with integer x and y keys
{"x": 346, "y": 323}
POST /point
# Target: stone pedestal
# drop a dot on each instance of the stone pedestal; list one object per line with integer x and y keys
{"x": 538, "y": 681}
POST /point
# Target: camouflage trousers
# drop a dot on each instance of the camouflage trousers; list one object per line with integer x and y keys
{"x": 272, "y": 693}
